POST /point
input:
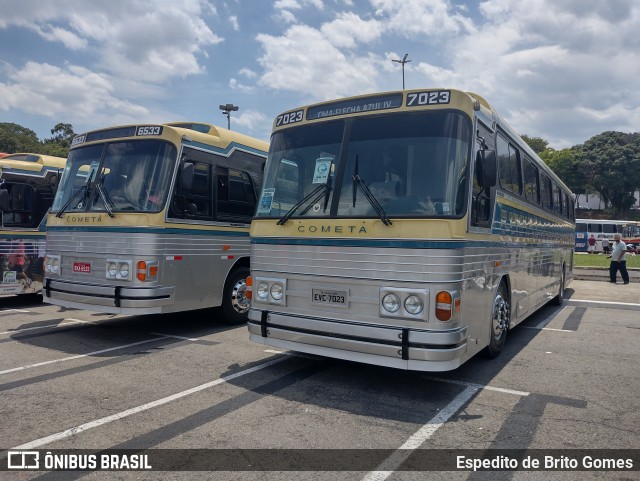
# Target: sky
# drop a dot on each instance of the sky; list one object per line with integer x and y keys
{"x": 562, "y": 70}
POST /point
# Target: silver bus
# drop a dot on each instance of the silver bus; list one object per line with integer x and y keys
{"x": 408, "y": 229}
{"x": 154, "y": 219}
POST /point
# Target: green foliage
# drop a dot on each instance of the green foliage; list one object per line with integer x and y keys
{"x": 610, "y": 163}
{"x": 600, "y": 260}
{"x": 16, "y": 138}
{"x": 565, "y": 164}
{"x": 536, "y": 143}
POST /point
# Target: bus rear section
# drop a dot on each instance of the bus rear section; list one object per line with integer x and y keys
{"x": 154, "y": 219}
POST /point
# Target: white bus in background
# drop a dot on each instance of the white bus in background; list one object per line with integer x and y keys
{"x": 600, "y": 229}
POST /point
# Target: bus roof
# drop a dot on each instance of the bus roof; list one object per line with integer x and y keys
{"x": 31, "y": 162}
{"x": 197, "y": 132}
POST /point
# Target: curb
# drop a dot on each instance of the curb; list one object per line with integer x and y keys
{"x": 601, "y": 273}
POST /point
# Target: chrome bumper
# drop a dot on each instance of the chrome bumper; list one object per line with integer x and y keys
{"x": 404, "y": 348}
{"x": 111, "y": 299}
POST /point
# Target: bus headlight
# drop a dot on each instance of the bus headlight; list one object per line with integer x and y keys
{"x": 391, "y": 303}
{"x": 276, "y": 292}
{"x": 413, "y": 304}
{"x": 262, "y": 291}
{"x": 112, "y": 270}
{"x": 118, "y": 269}
{"x": 52, "y": 264}
{"x": 272, "y": 291}
{"x": 404, "y": 303}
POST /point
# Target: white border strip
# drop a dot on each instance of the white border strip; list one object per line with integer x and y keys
{"x": 144, "y": 407}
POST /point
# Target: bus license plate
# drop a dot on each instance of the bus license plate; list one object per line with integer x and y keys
{"x": 82, "y": 267}
{"x": 329, "y": 297}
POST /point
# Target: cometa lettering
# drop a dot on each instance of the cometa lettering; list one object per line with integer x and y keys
{"x": 335, "y": 229}
{"x": 83, "y": 218}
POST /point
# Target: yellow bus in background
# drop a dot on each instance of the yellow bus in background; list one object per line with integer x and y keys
{"x": 27, "y": 187}
{"x": 154, "y": 219}
{"x": 408, "y": 229}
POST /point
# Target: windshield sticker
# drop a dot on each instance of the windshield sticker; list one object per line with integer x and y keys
{"x": 266, "y": 201}
{"x": 322, "y": 170}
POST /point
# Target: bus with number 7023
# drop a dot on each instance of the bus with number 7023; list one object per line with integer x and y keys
{"x": 408, "y": 229}
{"x": 154, "y": 219}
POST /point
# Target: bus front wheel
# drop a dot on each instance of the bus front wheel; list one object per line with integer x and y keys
{"x": 235, "y": 303}
{"x": 500, "y": 312}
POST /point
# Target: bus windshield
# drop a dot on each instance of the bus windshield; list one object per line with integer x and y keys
{"x": 412, "y": 164}
{"x": 119, "y": 176}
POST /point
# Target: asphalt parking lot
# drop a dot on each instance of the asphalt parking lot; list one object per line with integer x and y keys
{"x": 202, "y": 402}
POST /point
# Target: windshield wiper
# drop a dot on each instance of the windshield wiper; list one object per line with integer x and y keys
{"x": 316, "y": 194}
{"x": 108, "y": 203}
{"x": 83, "y": 189}
{"x": 357, "y": 181}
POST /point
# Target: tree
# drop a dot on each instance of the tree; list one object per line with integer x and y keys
{"x": 536, "y": 143}
{"x": 16, "y": 138}
{"x": 610, "y": 162}
{"x": 60, "y": 143}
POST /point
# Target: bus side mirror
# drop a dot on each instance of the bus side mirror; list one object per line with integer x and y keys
{"x": 4, "y": 200}
{"x": 486, "y": 168}
{"x": 186, "y": 179}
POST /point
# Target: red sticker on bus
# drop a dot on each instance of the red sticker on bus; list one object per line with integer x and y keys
{"x": 81, "y": 267}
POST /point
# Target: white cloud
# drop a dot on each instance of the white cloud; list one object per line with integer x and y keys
{"x": 139, "y": 39}
{"x": 250, "y": 119}
{"x": 305, "y": 61}
{"x": 235, "y": 85}
{"x": 348, "y": 29}
{"x": 233, "y": 20}
{"x": 51, "y": 91}
{"x": 248, "y": 73}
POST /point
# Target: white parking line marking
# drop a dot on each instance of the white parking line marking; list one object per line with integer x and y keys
{"x": 144, "y": 407}
{"x": 389, "y": 465}
{"x": 477, "y": 386}
{"x": 63, "y": 323}
{"x": 546, "y": 329}
{"x": 79, "y": 356}
{"x": 588, "y": 303}
{"x": 174, "y": 336}
{"x": 14, "y": 310}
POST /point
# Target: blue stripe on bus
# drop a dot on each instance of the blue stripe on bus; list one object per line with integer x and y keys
{"x": 149, "y": 230}
{"x": 391, "y": 243}
{"x": 226, "y": 152}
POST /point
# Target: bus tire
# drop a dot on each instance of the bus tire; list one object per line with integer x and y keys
{"x": 235, "y": 304}
{"x": 500, "y": 312}
{"x": 559, "y": 299}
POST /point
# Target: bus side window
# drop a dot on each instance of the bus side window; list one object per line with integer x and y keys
{"x": 192, "y": 199}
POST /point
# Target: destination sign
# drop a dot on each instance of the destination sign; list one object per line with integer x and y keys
{"x": 354, "y": 106}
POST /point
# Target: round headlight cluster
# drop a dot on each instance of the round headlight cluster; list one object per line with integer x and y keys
{"x": 272, "y": 291}
{"x": 52, "y": 265}
{"x": 118, "y": 269}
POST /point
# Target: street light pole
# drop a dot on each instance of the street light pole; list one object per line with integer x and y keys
{"x": 403, "y": 61}
{"x": 226, "y": 110}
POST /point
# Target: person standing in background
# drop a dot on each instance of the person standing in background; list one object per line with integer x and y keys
{"x": 591, "y": 244}
{"x": 605, "y": 246}
{"x": 618, "y": 260}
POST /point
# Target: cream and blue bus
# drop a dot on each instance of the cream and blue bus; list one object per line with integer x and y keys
{"x": 27, "y": 186}
{"x": 154, "y": 219}
{"x": 408, "y": 229}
